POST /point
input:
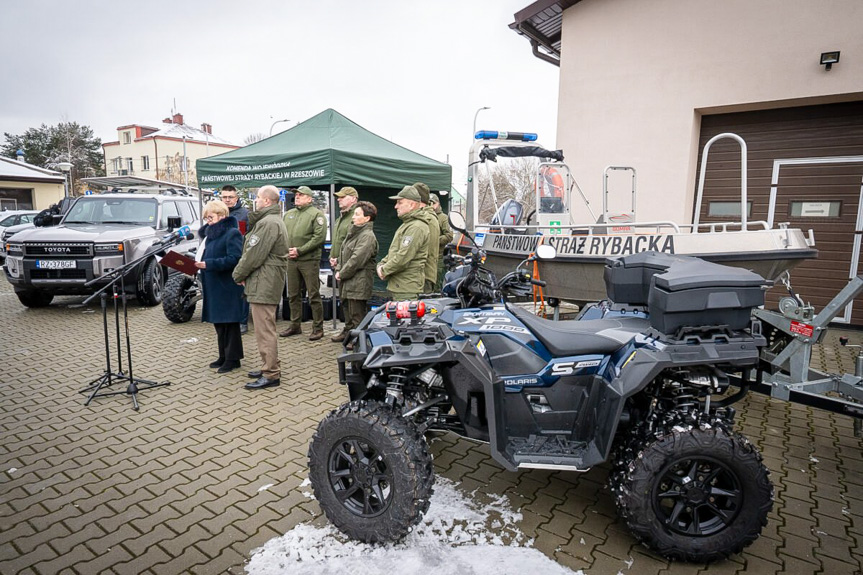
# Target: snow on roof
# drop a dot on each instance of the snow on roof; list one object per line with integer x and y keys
{"x": 10, "y": 168}
{"x": 180, "y": 130}
{"x": 456, "y": 535}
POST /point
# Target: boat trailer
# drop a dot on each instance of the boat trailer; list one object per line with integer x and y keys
{"x": 785, "y": 371}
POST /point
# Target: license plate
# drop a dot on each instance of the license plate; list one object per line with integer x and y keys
{"x": 55, "y": 264}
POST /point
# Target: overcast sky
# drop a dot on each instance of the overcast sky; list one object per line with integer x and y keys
{"x": 412, "y": 72}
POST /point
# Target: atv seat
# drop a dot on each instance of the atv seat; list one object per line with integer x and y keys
{"x": 572, "y": 337}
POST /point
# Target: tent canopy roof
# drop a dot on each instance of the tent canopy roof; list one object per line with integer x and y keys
{"x": 325, "y": 149}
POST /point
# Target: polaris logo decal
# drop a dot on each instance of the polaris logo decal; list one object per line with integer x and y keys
{"x": 570, "y": 367}
{"x": 521, "y": 381}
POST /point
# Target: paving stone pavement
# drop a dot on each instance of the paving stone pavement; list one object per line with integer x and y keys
{"x": 178, "y": 487}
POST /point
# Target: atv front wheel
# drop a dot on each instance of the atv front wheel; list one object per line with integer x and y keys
{"x": 697, "y": 495}
{"x": 180, "y": 297}
{"x": 370, "y": 471}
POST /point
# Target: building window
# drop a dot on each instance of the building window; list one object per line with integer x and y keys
{"x": 804, "y": 209}
{"x": 145, "y": 163}
{"x": 727, "y": 209}
{"x": 127, "y": 137}
{"x": 116, "y": 164}
{"x": 129, "y": 165}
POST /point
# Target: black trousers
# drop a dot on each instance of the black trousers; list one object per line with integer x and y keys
{"x": 230, "y": 341}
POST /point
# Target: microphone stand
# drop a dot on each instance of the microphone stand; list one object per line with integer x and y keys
{"x": 109, "y": 377}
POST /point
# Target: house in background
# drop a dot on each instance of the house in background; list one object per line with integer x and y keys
{"x": 647, "y": 84}
{"x": 24, "y": 186}
{"x": 157, "y": 153}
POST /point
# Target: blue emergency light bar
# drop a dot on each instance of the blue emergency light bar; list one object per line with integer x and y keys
{"x": 494, "y": 135}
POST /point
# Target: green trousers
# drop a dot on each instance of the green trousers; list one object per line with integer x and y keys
{"x": 309, "y": 271}
{"x": 355, "y": 311}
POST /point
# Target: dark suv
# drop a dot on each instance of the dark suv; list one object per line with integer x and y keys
{"x": 98, "y": 234}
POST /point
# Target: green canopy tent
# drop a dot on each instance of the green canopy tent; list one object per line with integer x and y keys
{"x": 326, "y": 151}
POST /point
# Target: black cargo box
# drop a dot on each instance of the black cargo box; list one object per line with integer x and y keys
{"x": 693, "y": 292}
{"x": 627, "y": 279}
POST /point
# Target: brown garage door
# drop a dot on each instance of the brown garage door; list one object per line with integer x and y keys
{"x": 818, "y": 185}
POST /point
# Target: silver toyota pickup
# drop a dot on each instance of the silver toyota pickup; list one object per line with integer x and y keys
{"x": 98, "y": 234}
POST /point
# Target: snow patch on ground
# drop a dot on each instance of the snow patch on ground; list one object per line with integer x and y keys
{"x": 457, "y": 535}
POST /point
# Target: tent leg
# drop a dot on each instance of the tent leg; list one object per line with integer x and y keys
{"x": 332, "y": 234}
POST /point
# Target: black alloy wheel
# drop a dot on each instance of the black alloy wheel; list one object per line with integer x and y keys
{"x": 697, "y": 497}
{"x": 359, "y": 477}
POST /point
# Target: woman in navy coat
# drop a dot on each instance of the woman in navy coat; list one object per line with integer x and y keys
{"x": 223, "y": 299}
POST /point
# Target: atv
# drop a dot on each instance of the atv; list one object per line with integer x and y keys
{"x": 649, "y": 393}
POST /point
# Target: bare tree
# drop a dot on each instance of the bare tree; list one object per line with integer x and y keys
{"x": 514, "y": 179}
{"x": 252, "y": 138}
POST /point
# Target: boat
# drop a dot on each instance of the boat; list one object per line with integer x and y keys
{"x": 584, "y": 248}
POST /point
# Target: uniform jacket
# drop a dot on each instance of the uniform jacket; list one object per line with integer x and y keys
{"x": 307, "y": 231}
{"x": 340, "y": 230}
{"x": 445, "y": 231}
{"x": 356, "y": 265}
{"x": 404, "y": 264}
{"x": 223, "y": 298}
{"x": 430, "y": 218}
{"x": 265, "y": 257}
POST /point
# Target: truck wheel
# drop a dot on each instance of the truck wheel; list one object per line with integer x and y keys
{"x": 697, "y": 495}
{"x": 175, "y": 298}
{"x": 371, "y": 472}
{"x": 35, "y": 298}
{"x": 150, "y": 284}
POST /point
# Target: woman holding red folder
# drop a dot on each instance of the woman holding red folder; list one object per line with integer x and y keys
{"x": 219, "y": 253}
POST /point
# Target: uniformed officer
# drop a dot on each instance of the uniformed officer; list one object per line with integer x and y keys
{"x": 430, "y": 218}
{"x": 347, "y": 198}
{"x": 403, "y": 267}
{"x": 307, "y": 229}
{"x": 446, "y": 234}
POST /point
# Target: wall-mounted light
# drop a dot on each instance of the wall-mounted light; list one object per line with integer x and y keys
{"x": 829, "y": 58}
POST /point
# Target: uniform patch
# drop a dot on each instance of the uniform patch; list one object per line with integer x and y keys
{"x": 253, "y": 240}
{"x": 320, "y": 220}
{"x": 406, "y": 241}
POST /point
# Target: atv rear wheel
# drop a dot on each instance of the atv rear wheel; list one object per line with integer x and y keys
{"x": 179, "y": 290}
{"x": 697, "y": 495}
{"x": 370, "y": 471}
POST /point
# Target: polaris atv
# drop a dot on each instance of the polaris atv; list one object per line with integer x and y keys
{"x": 648, "y": 392}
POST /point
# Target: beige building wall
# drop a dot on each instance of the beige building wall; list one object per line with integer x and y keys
{"x": 637, "y": 75}
{"x": 44, "y": 194}
{"x": 163, "y": 147}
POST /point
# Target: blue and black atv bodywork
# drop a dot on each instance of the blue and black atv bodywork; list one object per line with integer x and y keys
{"x": 642, "y": 390}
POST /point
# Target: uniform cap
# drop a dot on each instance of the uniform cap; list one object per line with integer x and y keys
{"x": 424, "y": 192}
{"x": 347, "y": 191}
{"x": 305, "y": 190}
{"x": 434, "y": 199}
{"x": 408, "y": 193}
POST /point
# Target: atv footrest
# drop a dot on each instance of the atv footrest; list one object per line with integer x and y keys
{"x": 547, "y": 452}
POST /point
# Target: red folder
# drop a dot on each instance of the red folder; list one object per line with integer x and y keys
{"x": 242, "y": 227}
{"x": 179, "y": 262}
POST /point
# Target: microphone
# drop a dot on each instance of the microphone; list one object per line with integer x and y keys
{"x": 176, "y": 235}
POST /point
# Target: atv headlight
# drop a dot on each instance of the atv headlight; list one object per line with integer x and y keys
{"x": 106, "y": 249}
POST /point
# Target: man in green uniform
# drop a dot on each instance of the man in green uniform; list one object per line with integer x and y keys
{"x": 446, "y": 234}
{"x": 430, "y": 219}
{"x": 347, "y": 198}
{"x": 403, "y": 267}
{"x": 261, "y": 270}
{"x": 307, "y": 229}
